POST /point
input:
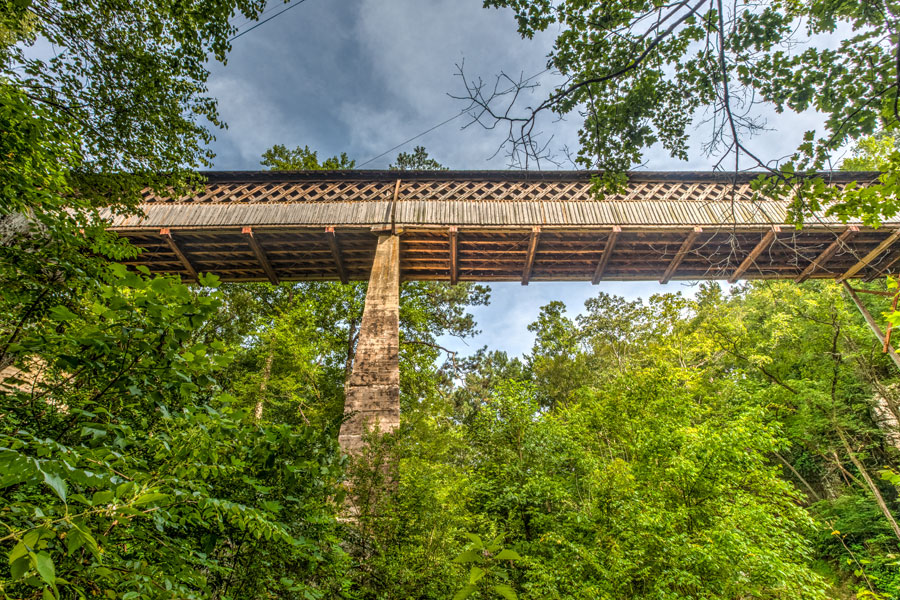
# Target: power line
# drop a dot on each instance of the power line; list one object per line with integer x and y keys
{"x": 281, "y": 12}
{"x": 441, "y": 124}
{"x": 269, "y": 8}
{"x": 415, "y": 137}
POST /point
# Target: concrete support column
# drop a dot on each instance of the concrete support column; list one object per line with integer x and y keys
{"x": 373, "y": 389}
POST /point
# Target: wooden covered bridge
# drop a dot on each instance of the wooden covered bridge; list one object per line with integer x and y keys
{"x": 389, "y": 226}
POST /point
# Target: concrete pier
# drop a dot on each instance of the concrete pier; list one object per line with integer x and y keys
{"x": 373, "y": 389}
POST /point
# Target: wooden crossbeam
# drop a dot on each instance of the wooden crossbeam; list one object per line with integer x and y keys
{"x": 682, "y": 252}
{"x": 891, "y": 260}
{"x": 260, "y": 255}
{"x": 532, "y": 250}
{"x": 336, "y": 254}
{"x": 870, "y": 256}
{"x": 454, "y": 255}
{"x": 607, "y": 252}
{"x": 173, "y": 246}
{"x": 761, "y": 247}
{"x": 820, "y": 261}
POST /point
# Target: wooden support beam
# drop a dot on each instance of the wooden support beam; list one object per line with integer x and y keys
{"x": 394, "y": 229}
{"x": 873, "y": 325}
{"x": 607, "y": 252}
{"x": 260, "y": 255}
{"x": 532, "y": 250}
{"x": 761, "y": 247}
{"x": 336, "y": 254}
{"x": 173, "y": 246}
{"x": 892, "y": 260}
{"x": 682, "y": 252}
{"x": 820, "y": 261}
{"x": 454, "y": 255}
{"x": 870, "y": 256}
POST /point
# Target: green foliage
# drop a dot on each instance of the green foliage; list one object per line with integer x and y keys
{"x": 488, "y": 566}
{"x": 128, "y": 78}
{"x": 127, "y": 473}
{"x": 872, "y": 153}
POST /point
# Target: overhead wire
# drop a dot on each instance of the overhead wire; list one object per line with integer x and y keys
{"x": 264, "y": 21}
{"x": 442, "y": 123}
{"x": 415, "y": 137}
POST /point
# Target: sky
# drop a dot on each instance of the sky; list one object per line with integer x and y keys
{"x": 363, "y": 76}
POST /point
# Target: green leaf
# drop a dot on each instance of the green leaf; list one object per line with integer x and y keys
{"x": 61, "y": 313}
{"x": 468, "y": 556}
{"x": 464, "y": 593}
{"x": 44, "y": 565}
{"x": 102, "y": 497}
{"x": 56, "y": 484}
{"x": 505, "y": 591}
{"x": 151, "y": 497}
{"x": 508, "y": 555}
{"x": 15, "y": 468}
{"x": 475, "y": 575}
{"x": 19, "y": 567}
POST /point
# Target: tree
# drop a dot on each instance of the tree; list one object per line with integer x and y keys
{"x": 873, "y": 153}
{"x": 280, "y": 158}
{"x": 119, "y": 106}
{"x": 112, "y": 461}
{"x": 418, "y": 160}
{"x": 128, "y": 80}
{"x": 640, "y": 73}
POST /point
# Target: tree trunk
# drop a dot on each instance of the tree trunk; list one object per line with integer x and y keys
{"x": 874, "y": 489}
{"x": 886, "y": 414}
{"x": 267, "y": 372}
{"x": 796, "y": 473}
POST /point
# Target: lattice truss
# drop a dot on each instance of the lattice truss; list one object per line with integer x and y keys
{"x": 494, "y": 227}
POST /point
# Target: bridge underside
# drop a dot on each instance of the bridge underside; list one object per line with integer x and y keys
{"x": 295, "y": 254}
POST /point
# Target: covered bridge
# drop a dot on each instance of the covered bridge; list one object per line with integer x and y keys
{"x": 388, "y": 226}
{"x": 496, "y": 226}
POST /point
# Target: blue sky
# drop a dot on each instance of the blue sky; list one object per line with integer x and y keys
{"x": 361, "y": 76}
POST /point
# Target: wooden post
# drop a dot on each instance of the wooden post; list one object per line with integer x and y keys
{"x": 336, "y": 254}
{"x": 870, "y": 256}
{"x": 820, "y": 261}
{"x": 682, "y": 252}
{"x": 532, "y": 250}
{"x": 454, "y": 254}
{"x": 261, "y": 255}
{"x": 373, "y": 388}
{"x": 182, "y": 258}
{"x": 607, "y": 252}
{"x": 761, "y": 247}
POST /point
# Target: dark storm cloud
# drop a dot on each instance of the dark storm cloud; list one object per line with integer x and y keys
{"x": 362, "y": 76}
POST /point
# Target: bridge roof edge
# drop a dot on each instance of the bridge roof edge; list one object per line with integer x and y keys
{"x": 511, "y": 176}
